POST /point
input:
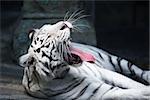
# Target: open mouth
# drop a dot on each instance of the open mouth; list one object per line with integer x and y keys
{"x": 76, "y": 53}
{"x": 78, "y": 56}
{"x": 84, "y": 56}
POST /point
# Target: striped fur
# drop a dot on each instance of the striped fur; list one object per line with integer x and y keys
{"x": 114, "y": 63}
{"x": 48, "y": 75}
{"x": 87, "y": 82}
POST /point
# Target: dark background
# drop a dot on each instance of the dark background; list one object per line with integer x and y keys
{"x": 122, "y": 28}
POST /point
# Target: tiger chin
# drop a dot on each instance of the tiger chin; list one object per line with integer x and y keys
{"x": 58, "y": 69}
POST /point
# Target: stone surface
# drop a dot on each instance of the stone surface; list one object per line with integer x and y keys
{"x": 10, "y": 83}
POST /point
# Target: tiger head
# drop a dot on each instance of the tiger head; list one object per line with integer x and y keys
{"x": 49, "y": 49}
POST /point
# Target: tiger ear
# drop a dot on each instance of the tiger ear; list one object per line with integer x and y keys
{"x": 32, "y": 33}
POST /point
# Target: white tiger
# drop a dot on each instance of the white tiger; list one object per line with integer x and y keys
{"x": 56, "y": 69}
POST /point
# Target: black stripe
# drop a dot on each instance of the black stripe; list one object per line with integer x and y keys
{"x": 28, "y": 79}
{"x": 142, "y": 74}
{"x": 63, "y": 36}
{"x": 49, "y": 57}
{"x": 58, "y": 66}
{"x": 96, "y": 89}
{"x": 144, "y": 80}
{"x": 44, "y": 54}
{"x": 36, "y": 96}
{"x": 94, "y": 92}
{"x": 47, "y": 46}
{"x": 53, "y": 47}
{"x": 35, "y": 42}
{"x": 129, "y": 66}
{"x": 107, "y": 91}
{"x": 81, "y": 92}
{"x": 45, "y": 65}
{"x": 31, "y": 61}
{"x": 97, "y": 52}
{"x": 38, "y": 82}
{"x": 97, "y": 64}
{"x": 100, "y": 56}
{"x": 131, "y": 70}
{"x": 37, "y": 38}
{"x": 41, "y": 41}
{"x": 38, "y": 50}
{"x": 66, "y": 98}
{"x": 37, "y": 78}
{"x": 90, "y": 69}
{"x": 48, "y": 37}
{"x": 110, "y": 60}
{"x": 119, "y": 63}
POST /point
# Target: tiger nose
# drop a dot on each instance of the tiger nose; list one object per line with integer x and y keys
{"x": 69, "y": 25}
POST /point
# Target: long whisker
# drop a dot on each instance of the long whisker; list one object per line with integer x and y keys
{"x": 72, "y": 15}
{"x": 66, "y": 15}
{"x": 79, "y": 18}
{"x": 77, "y": 29}
{"x": 81, "y": 25}
{"x": 76, "y": 13}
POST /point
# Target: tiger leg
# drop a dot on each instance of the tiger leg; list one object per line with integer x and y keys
{"x": 100, "y": 79}
{"x": 110, "y": 77}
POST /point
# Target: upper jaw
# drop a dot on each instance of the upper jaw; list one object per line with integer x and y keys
{"x": 69, "y": 25}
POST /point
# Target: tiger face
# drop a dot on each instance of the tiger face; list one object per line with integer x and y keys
{"x": 49, "y": 49}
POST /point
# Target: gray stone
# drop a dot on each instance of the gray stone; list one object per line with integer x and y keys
{"x": 10, "y": 83}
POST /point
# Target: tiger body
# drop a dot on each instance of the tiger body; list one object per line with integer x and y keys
{"x": 47, "y": 73}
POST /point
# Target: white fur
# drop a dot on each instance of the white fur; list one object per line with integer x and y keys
{"x": 100, "y": 76}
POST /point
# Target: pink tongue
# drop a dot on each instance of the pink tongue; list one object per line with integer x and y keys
{"x": 83, "y": 55}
